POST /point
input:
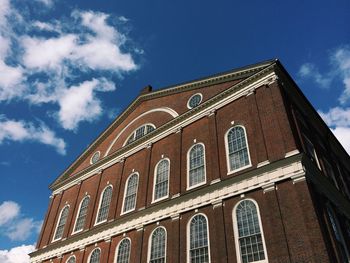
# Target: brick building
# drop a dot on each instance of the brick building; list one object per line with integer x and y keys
{"x": 234, "y": 167}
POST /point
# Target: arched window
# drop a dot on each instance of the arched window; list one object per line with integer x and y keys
{"x": 250, "y": 243}
{"x": 237, "y": 149}
{"x": 80, "y": 221}
{"x": 198, "y": 244}
{"x": 130, "y": 193}
{"x": 157, "y": 246}
{"x": 123, "y": 251}
{"x": 161, "y": 180}
{"x": 196, "y": 166}
{"x": 71, "y": 260}
{"x": 61, "y": 223}
{"x": 140, "y": 132}
{"x": 105, "y": 201}
{"x": 95, "y": 256}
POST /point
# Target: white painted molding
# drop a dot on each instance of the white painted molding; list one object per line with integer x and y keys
{"x": 291, "y": 153}
{"x": 263, "y": 163}
{"x": 292, "y": 170}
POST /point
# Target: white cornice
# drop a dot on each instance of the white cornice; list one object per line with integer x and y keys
{"x": 226, "y": 190}
{"x": 267, "y": 79}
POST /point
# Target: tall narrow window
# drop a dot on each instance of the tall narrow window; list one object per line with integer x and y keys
{"x": 237, "y": 147}
{"x": 71, "y": 260}
{"x": 157, "y": 245}
{"x": 250, "y": 245}
{"x": 105, "y": 201}
{"x": 61, "y": 223}
{"x": 130, "y": 193}
{"x": 95, "y": 256}
{"x": 310, "y": 150}
{"x": 80, "y": 221}
{"x": 161, "y": 184}
{"x": 196, "y": 166}
{"x": 198, "y": 246}
{"x": 123, "y": 252}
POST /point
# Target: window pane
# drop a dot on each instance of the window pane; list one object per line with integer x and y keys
{"x": 130, "y": 195}
{"x": 71, "y": 260}
{"x": 199, "y": 251}
{"x": 237, "y": 148}
{"x": 61, "y": 223}
{"x": 95, "y": 256}
{"x": 158, "y": 242}
{"x": 124, "y": 251}
{"x": 196, "y": 165}
{"x": 162, "y": 178}
{"x": 82, "y": 214}
{"x": 139, "y": 133}
{"x": 249, "y": 235}
{"x": 104, "y": 207}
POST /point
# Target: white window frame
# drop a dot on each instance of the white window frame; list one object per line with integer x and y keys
{"x": 188, "y": 101}
{"x": 229, "y": 171}
{"x": 150, "y": 243}
{"x": 92, "y": 156}
{"x": 117, "y": 249}
{"x": 70, "y": 258}
{"x": 188, "y": 233}
{"x": 155, "y": 179}
{"x": 99, "y": 205}
{"x": 78, "y": 212}
{"x": 59, "y": 219}
{"x": 97, "y": 248}
{"x": 125, "y": 189}
{"x": 236, "y": 233}
{"x": 188, "y": 187}
{"x": 134, "y": 132}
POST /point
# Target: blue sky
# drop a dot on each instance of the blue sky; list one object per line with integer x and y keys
{"x": 69, "y": 67}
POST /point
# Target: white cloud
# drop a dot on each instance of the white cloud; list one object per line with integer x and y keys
{"x": 8, "y": 211}
{"x": 80, "y": 103}
{"x": 309, "y": 70}
{"x": 341, "y": 58}
{"x": 343, "y": 135}
{"x": 16, "y": 254}
{"x": 12, "y": 130}
{"x": 22, "y": 229}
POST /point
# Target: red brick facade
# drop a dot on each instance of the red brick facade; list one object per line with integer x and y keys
{"x": 292, "y": 194}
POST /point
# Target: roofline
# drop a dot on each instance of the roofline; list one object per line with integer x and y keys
{"x": 173, "y": 89}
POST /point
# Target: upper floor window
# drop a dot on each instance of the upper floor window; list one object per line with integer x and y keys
{"x": 80, "y": 220}
{"x": 237, "y": 149}
{"x": 95, "y": 256}
{"x": 130, "y": 193}
{"x": 140, "y": 132}
{"x": 161, "y": 180}
{"x": 61, "y": 223}
{"x": 198, "y": 240}
{"x": 123, "y": 251}
{"x": 71, "y": 260}
{"x": 157, "y": 247}
{"x": 194, "y": 101}
{"x": 310, "y": 150}
{"x": 330, "y": 173}
{"x": 250, "y": 244}
{"x": 105, "y": 201}
{"x": 196, "y": 166}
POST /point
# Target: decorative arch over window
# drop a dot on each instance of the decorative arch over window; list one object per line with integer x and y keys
{"x": 130, "y": 193}
{"x": 237, "y": 149}
{"x": 123, "y": 251}
{"x": 196, "y": 174}
{"x": 249, "y": 238}
{"x": 198, "y": 248}
{"x": 105, "y": 201}
{"x": 71, "y": 260}
{"x": 61, "y": 223}
{"x": 95, "y": 256}
{"x": 157, "y": 246}
{"x": 140, "y": 132}
{"x": 161, "y": 180}
{"x": 82, "y": 212}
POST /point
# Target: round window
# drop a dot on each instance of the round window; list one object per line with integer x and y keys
{"x": 95, "y": 157}
{"x": 194, "y": 101}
